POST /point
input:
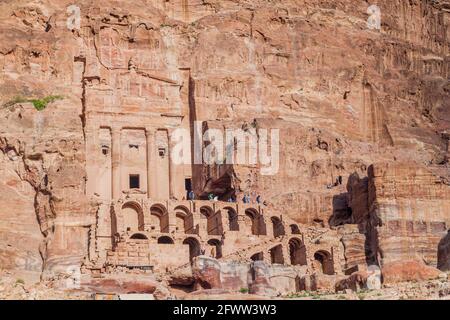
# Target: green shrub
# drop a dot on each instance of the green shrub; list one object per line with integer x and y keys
{"x": 39, "y": 104}
{"x": 243, "y": 290}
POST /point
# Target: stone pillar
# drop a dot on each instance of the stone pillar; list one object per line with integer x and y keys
{"x": 92, "y": 144}
{"x": 225, "y": 221}
{"x": 286, "y": 254}
{"x": 151, "y": 163}
{"x": 269, "y": 226}
{"x": 115, "y": 156}
{"x": 172, "y": 168}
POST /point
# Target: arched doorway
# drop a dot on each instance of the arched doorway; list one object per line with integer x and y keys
{"x": 259, "y": 256}
{"x": 325, "y": 261}
{"x": 294, "y": 229}
{"x": 276, "y": 254}
{"x": 214, "y": 220}
{"x": 297, "y": 252}
{"x": 233, "y": 222}
{"x": 278, "y": 228}
{"x": 139, "y": 236}
{"x": 159, "y": 218}
{"x": 216, "y": 248}
{"x": 194, "y": 247}
{"x": 165, "y": 240}
{"x": 258, "y": 225}
{"x": 184, "y": 220}
{"x": 133, "y": 217}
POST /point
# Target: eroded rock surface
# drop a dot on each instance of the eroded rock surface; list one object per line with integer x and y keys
{"x": 364, "y": 121}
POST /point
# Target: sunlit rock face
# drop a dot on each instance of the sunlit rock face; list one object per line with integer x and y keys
{"x": 363, "y": 117}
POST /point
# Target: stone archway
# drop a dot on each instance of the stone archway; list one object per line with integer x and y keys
{"x": 133, "y": 217}
{"x": 294, "y": 229}
{"x": 297, "y": 252}
{"x": 194, "y": 247}
{"x": 216, "y": 248}
{"x": 233, "y": 222}
{"x": 259, "y": 256}
{"x": 184, "y": 220}
{"x": 214, "y": 220}
{"x": 276, "y": 254}
{"x": 325, "y": 261}
{"x": 278, "y": 227}
{"x": 165, "y": 240}
{"x": 159, "y": 218}
{"x": 138, "y": 236}
{"x": 258, "y": 226}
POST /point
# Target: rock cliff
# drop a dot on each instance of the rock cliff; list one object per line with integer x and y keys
{"x": 364, "y": 114}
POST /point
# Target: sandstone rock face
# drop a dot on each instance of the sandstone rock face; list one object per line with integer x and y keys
{"x": 373, "y": 281}
{"x": 50, "y": 202}
{"x": 20, "y": 232}
{"x": 444, "y": 253}
{"x": 261, "y": 280}
{"x": 343, "y": 96}
{"x": 402, "y": 271}
{"x": 206, "y": 271}
{"x": 408, "y": 212}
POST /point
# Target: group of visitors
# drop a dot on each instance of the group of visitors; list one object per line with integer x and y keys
{"x": 212, "y": 197}
{"x": 247, "y": 199}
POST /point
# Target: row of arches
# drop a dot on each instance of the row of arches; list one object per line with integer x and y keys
{"x": 133, "y": 217}
{"x": 214, "y": 245}
{"x": 323, "y": 260}
{"x": 296, "y": 249}
{"x": 133, "y": 220}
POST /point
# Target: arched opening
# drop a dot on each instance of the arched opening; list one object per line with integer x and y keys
{"x": 133, "y": 217}
{"x": 276, "y": 255}
{"x": 259, "y": 256}
{"x": 214, "y": 220}
{"x": 258, "y": 225}
{"x": 165, "y": 240}
{"x": 233, "y": 222}
{"x": 297, "y": 252}
{"x": 159, "y": 218}
{"x": 294, "y": 229}
{"x": 184, "y": 220}
{"x": 278, "y": 228}
{"x": 139, "y": 236}
{"x": 215, "y": 248}
{"x": 324, "y": 261}
{"x": 194, "y": 247}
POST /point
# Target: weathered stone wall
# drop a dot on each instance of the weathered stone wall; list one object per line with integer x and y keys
{"x": 408, "y": 208}
{"x": 343, "y": 96}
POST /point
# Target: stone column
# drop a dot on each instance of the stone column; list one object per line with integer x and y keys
{"x": 269, "y": 226}
{"x": 172, "y": 168}
{"x": 151, "y": 163}
{"x": 225, "y": 221}
{"x": 92, "y": 146}
{"x": 115, "y": 156}
{"x": 286, "y": 254}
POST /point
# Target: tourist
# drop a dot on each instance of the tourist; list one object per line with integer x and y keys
{"x": 211, "y": 197}
{"x": 191, "y": 195}
{"x": 258, "y": 199}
